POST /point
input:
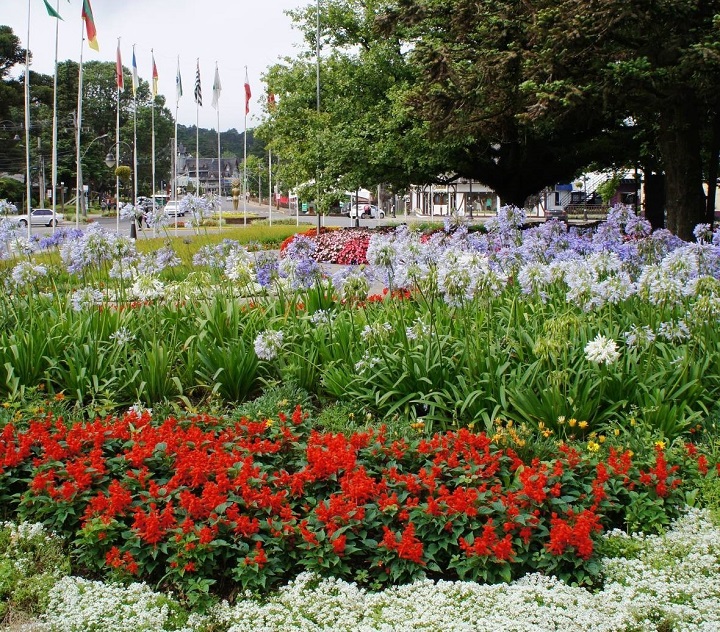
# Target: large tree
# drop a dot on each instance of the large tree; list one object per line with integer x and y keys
{"x": 572, "y": 73}
{"x": 409, "y": 95}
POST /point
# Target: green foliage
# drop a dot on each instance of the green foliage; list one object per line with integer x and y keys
{"x": 31, "y": 562}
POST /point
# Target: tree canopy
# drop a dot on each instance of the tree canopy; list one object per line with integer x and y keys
{"x": 517, "y": 95}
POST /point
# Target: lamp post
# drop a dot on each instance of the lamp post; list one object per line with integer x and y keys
{"x": 114, "y": 161}
{"x": 81, "y": 188}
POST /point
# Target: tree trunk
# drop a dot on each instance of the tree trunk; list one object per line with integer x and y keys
{"x": 679, "y": 144}
{"x": 655, "y": 199}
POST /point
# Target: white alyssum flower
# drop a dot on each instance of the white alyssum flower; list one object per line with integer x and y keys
{"x": 602, "y": 350}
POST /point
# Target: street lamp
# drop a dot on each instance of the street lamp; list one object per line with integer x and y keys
{"x": 81, "y": 188}
{"x": 114, "y": 161}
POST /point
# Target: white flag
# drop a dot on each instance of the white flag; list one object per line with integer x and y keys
{"x": 135, "y": 80}
{"x": 217, "y": 88}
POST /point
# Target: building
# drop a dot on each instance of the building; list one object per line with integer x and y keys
{"x": 461, "y": 197}
{"x": 206, "y": 170}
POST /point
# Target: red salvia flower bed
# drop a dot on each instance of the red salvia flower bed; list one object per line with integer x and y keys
{"x": 194, "y": 502}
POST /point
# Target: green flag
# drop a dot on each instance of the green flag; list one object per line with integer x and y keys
{"x": 51, "y": 12}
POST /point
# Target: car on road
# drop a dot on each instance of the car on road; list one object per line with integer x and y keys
{"x": 39, "y": 217}
{"x": 366, "y": 210}
{"x": 172, "y": 209}
{"x": 556, "y": 213}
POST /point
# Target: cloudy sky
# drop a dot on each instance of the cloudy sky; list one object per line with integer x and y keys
{"x": 233, "y": 33}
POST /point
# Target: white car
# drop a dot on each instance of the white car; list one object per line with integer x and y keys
{"x": 172, "y": 209}
{"x": 366, "y": 210}
{"x": 40, "y": 217}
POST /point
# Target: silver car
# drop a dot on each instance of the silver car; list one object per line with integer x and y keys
{"x": 40, "y": 217}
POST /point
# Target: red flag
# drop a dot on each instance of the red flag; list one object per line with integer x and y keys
{"x": 119, "y": 69}
{"x": 271, "y": 101}
{"x": 87, "y": 15}
{"x": 154, "y": 77}
{"x": 248, "y": 94}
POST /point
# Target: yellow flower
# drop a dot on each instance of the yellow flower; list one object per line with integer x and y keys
{"x": 572, "y": 422}
{"x": 601, "y": 438}
{"x": 269, "y": 422}
{"x": 6, "y": 404}
{"x": 546, "y": 433}
{"x": 582, "y": 425}
{"x": 561, "y": 419}
{"x": 632, "y": 421}
{"x": 592, "y": 446}
{"x": 418, "y": 425}
{"x": 541, "y": 425}
{"x": 617, "y": 432}
{"x": 660, "y": 444}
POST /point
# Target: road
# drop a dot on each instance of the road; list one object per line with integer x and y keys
{"x": 253, "y": 210}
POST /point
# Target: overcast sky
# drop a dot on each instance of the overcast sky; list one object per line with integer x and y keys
{"x": 233, "y": 33}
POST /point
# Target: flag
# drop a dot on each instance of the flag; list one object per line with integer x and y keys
{"x": 119, "y": 69}
{"x": 154, "y": 77}
{"x": 271, "y": 101}
{"x": 51, "y": 12}
{"x": 248, "y": 94}
{"x": 135, "y": 80}
{"x": 217, "y": 88}
{"x": 178, "y": 82}
{"x": 87, "y": 15}
{"x": 198, "y": 87}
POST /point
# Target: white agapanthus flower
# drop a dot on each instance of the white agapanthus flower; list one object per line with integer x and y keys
{"x": 602, "y": 350}
{"x": 146, "y": 287}
{"x": 26, "y": 272}
{"x": 85, "y": 297}
{"x": 268, "y": 344}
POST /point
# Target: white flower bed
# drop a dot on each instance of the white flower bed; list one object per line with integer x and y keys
{"x": 671, "y": 583}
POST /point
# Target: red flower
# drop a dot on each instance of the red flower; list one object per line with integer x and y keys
{"x": 339, "y": 543}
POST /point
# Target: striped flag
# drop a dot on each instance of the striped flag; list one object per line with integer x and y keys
{"x": 217, "y": 88}
{"x": 154, "y": 77}
{"x": 51, "y": 12}
{"x": 135, "y": 79}
{"x": 87, "y": 15}
{"x": 248, "y": 94}
{"x": 119, "y": 69}
{"x": 178, "y": 82}
{"x": 198, "y": 86}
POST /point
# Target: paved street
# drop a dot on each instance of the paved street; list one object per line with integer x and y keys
{"x": 253, "y": 210}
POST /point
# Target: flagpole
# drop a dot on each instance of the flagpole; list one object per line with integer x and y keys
{"x": 53, "y": 177}
{"x": 197, "y": 136}
{"x": 270, "y": 185}
{"x": 178, "y": 92}
{"x": 135, "y": 182}
{"x": 152, "y": 127}
{"x": 219, "y": 168}
{"x": 117, "y": 151}
{"x": 28, "y": 182}
{"x": 245, "y": 164}
{"x": 78, "y": 121}
{"x": 216, "y": 101}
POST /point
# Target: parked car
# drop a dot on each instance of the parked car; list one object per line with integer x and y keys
{"x": 40, "y": 217}
{"x": 366, "y": 210}
{"x": 172, "y": 209}
{"x": 556, "y": 213}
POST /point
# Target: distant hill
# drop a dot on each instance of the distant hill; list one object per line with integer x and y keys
{"x": 231, "y": 142}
